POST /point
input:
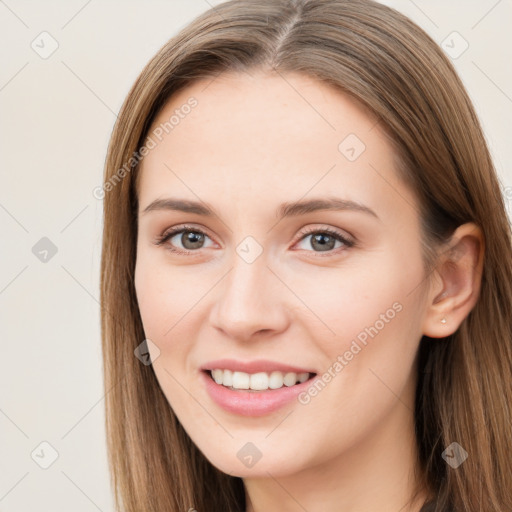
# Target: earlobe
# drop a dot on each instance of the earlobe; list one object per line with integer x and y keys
{"x": 459, "y": 272}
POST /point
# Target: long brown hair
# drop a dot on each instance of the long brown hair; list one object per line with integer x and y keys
{"x": 384, "y": 60}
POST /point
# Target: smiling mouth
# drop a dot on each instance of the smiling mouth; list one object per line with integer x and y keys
{"x": 257, "y": 382}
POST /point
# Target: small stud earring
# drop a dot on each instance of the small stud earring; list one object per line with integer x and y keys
{"x": 443, "y": 320}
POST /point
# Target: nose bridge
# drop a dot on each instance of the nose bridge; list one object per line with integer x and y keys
{"x": 249, "y": 300}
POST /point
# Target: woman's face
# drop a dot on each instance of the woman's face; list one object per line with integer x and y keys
{"x": 336, "y": 292}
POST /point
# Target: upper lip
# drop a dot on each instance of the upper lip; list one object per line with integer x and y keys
{"x": 255, "y": 366}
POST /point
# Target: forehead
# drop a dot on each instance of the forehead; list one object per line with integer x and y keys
{"x": 263, "y": 133}
{"x": 279, "y": 109}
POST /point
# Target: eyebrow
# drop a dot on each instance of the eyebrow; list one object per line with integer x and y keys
{"x": 288, "y": 209}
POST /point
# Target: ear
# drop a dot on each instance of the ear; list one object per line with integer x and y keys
{"x": 456, "y": 282}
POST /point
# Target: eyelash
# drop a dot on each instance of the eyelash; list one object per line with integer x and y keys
{"x": 162, "y": 239}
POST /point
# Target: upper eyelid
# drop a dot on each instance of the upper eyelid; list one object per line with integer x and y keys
{"x": 187, "y": 227}
{"x": 180, "y": 228}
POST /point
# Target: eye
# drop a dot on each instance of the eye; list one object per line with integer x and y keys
{"x": 325, "y": 239}
{"x": 191, "y": 239}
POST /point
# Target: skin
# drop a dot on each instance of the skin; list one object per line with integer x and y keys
{"x": 253, "y": 142}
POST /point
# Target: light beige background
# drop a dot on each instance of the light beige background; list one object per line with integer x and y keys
{"x": 56, "y": 117}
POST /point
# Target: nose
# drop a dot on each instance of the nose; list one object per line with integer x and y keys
{"x": 250, "y": 301}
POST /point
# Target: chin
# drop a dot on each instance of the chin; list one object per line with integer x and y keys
{"x": 245, "y": 460}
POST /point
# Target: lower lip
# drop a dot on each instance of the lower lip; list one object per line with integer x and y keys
{"x": 247, "y": 403}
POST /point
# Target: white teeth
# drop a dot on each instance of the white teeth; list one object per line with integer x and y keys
{"x": 276, "y": 380}
{"x": 241, "y": 380}
{"x": 227, "y": 379}
{"x": 257, "y": 381}
{"x": 290, "y": 379}
{"x": 218, "y": 376}
{"x": 303, "y": 377}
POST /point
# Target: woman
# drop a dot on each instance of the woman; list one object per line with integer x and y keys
{"x": 306, "y": 272}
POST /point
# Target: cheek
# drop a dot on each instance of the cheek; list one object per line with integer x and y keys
{"x": 165, "y": 299}
{"x": 149, "y": 290}
{"x": 171, "y": 305}
{"x": 368, "y": 300}
{"x": 377, "y": 320}
{"x": 375, "y": 312}
{"x": 164, "y": 295}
